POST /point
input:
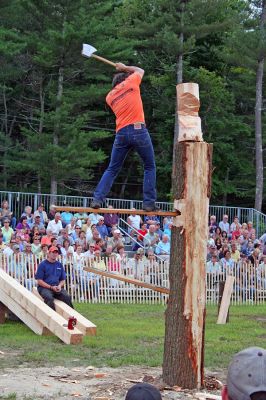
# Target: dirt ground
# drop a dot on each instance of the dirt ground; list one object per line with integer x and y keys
{"x": 86, "y": 383}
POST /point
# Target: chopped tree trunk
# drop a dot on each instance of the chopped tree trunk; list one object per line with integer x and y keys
{"x": 185, "y": 314}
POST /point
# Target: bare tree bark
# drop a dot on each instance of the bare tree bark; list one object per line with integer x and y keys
{"x": 258, "y": 109}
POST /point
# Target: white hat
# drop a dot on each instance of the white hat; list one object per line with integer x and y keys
{"x": 117, "y": 231}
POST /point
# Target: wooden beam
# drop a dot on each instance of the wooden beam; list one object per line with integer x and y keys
{"x": 37, "y": 309}
{"x": 20, "y": 312}
{"x": 225, "y": 303}
{"x": 124, "y": 278}
{"x": 83, "y": 324}
{"x": 116, "y": 211}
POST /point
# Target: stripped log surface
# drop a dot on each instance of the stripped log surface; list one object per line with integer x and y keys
{"x": 83, "y": 324}
{"x": 225, "y": 303}
{"x": 185, "y": 314}
{"x": 124, "y": 278}
{"x": 38, "y": 310}
{"x": 116, "y": 211}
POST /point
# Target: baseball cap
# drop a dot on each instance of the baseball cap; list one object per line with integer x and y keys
{"x": 143, "y": 391}
{"x": 140, "y": 250}
{"x": 117, "y": 231}
{"x": 247, "y": 373}
{"x": 53, "y": 248}
{"x": 101, "y": 218}
{"x": 16, "y": 247}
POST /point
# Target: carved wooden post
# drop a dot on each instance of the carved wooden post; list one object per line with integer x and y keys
{"x": 185, "y": 314}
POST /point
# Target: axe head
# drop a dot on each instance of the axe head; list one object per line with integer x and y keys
{"x": 88, "y": 50}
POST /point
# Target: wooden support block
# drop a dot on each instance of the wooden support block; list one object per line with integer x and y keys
{"x": 115, "y": 211}
{"x": 37, "y": 309}
{"x": 124, "y": 278}
{"x": 28, "y": 319}
{"x": 3, "y": 311}
{"x": 225, "y": 303}
{"x": 84, "y": 325}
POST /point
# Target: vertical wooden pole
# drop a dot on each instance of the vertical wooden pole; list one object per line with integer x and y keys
{"x": 3, "y": 311}
{"x": 185, "y": 314}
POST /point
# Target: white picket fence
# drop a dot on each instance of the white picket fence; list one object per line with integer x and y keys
{"x": 249, "y": 288}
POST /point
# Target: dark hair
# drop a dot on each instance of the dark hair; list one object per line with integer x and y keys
{"x": 120, "y": 77}
{"x": 258, "y": 396}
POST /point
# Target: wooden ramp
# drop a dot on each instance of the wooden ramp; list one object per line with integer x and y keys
{"x": 83, "y": 324}
{"x": 117, "y": 211}
{"x": 124, "y": 278}
{"x": 34, "y": 312}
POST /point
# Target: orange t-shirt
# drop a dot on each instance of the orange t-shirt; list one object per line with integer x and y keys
{"x": 125, "y": 101}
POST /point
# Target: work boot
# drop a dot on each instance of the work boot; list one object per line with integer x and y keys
{"x": 95, "y": 204}
{"x": 151, "y": 208}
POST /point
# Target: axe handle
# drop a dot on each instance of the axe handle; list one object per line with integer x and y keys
{"x": 104, "y": 60}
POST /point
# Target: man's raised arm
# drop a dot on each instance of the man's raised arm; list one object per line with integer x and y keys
{"x": 127, "y": 68}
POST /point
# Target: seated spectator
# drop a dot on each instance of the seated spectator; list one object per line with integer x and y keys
{"x": 158, "y": 230}
{"x": 95, "y": 236}
{"x": 224, "y": 237}
{"x": 235, "y": 254}
{"x": 143, "y": 391}
{"x": 6, "y": 213}
{"x": 224, "y": 225}
{"x": 212, "y": 225}
{"x": 52, "y": 212}
{"x": 47, "y": 238}
{"x": 42, "y": 214}
{"x": 151, "y": 238}
{"x": 254, "y": 257}
{"x": 213, "y": 266}
{"x": 250, "y": 229}
{"x": 37, "y": 223}
{"x": 111, "y": 220}
{"x": 116, "y": 240}
{"x": 98, "y": 262}
{"x": 151, "y": 220}
{"x": 44, "y": 251}
{"x": 10, "y": 248}
{"x": 67, "y": 250}
{"x": 82, "y": 217}
{"x": 71, "y": 227}
{"x": 55, "y": 225}
{"x": 89, "y": 232}
{"x": 247, "y": 248}
{"x": 236, "y": 233}
{"x": 227, "y": 263}
{"x": 212, "y": 251}
{"x": 102, "y": 229}
{"x": 90, "y": 252}
{"x": 163, "y": 248}
{"x": 218, "y": 243}
{"x": 246, "y": 377}
{"x": 36, "y": 246}
{"x": 235, "y": 225}
{"x": 81, "y": 240}
{"x": 23, "y": 224}
{"x": 2, "y": 244}
{"x": 134, "y": 221}
{"x": 86, "y": 225}
{"x": 28, "y": 213}
{"x": 167, "y": 231}
{"x": 28, "y": 249}
{"x": 166, "y": 222}
{"x": 223, "y": 250}
{"x": 94, "y": 217}
{"x": 7, "y": 231}
{"x": 137, "y": 264}
{"x": 122, "y": 258}
{"x": 66, "y": 217}
{"x": 218, "y": 233}
{"x": 140, "y": 236}
{"x": 63, "y": 236}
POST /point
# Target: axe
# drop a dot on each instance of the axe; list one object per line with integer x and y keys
{"x": 88, "y": 51}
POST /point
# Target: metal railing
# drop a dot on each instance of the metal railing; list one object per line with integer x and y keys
{"x": 18, "y": 201}
{"x": 249, "y": 287}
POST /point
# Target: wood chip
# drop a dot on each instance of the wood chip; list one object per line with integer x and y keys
{"x": 90, "y": 367}
{"x": 68, "y": 380}
{"x": 2, "y": 353}
{"x": 99, "y": 375}
{"x": 208, "y": 396}
{"x": 76, "y": 394}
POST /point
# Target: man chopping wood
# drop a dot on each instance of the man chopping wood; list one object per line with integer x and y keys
{"x": 131, "y": 133}
{"x": 51, "y": 278}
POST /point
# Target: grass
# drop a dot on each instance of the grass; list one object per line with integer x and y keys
{"x": 130, "y": 335}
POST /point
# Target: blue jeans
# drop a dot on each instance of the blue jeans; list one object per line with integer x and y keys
{"x": 126, "y": 139}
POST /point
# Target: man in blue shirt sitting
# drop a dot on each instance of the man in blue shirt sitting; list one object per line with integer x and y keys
{"x": 51, "y": 278}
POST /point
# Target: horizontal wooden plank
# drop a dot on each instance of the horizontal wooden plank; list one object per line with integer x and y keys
{"x": 83, "y": 324}
{"x": 22, "y": 314}
{"x": 124, "y": 278}
{"x": 116, "y": 211}
{"x": 40, "y": 311}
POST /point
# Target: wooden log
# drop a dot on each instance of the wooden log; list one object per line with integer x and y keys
{"x": 83, "y": 324}
{"x": 185, "y": 314}
{"x": 24, "y": 316}
{"x": 116, "y": 211}
{"x": 225, "y": 303}
{"x": 124, "y": 278}
{"x": 3, "y": 310}
{"x": 37, "y": 309}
